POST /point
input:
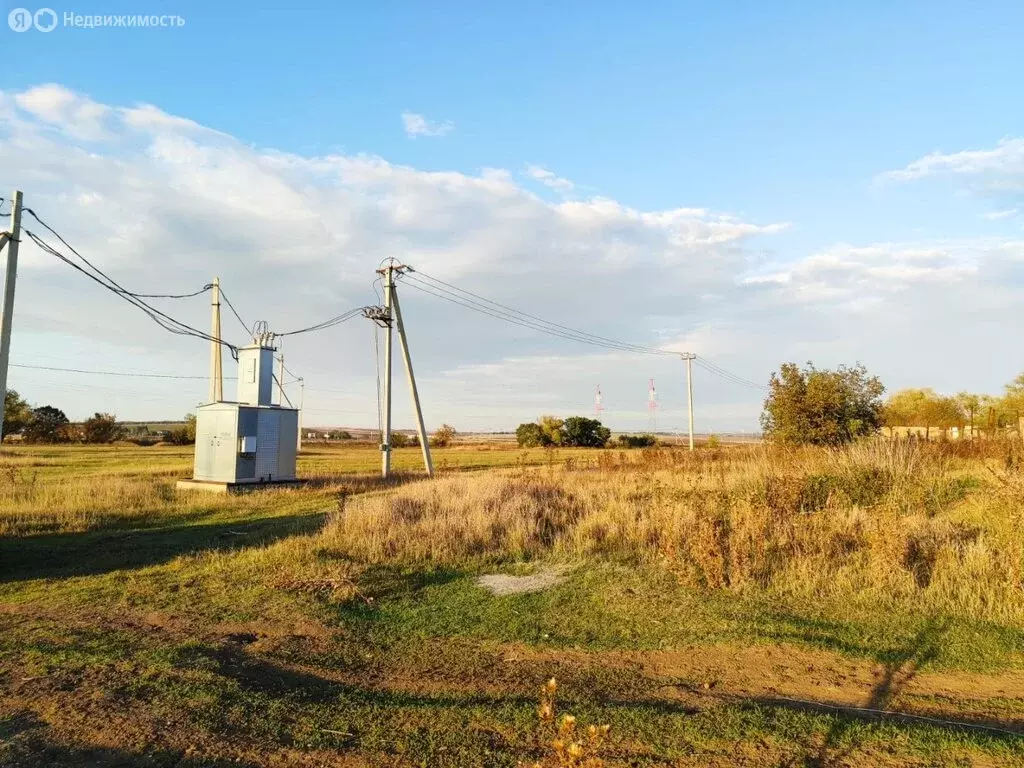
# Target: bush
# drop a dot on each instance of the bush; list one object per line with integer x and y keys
{"x": 443, "y": 437}
{"x": 821, "y": 407}
{"x": 17, "y": 413}
{"x": 400, "y": 440}
{"x": 530, "y": 435}
{"x": 101, "y": 428}
{"x": 637, "y": 441}
{"x": 47, "y": 425}
{"x": 581, "y": 432}
{"x": 339, "y": 434}
{"x": 185, "y": 435}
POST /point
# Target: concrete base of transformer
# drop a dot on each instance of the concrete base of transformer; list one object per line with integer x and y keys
{"x": 213, "y": 486}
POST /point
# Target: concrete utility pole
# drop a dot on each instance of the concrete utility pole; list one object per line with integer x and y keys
{"x": 302, "y": 400}
{"x": 688, "y": 357}
{"x": 216, "y": 362}
{"x": 424, "y": 440}
{"x": 385, "y": 439}
{"x": 280, "y": 381}
{"x": 393, "y": 312}
{"x": 13, "y": 239}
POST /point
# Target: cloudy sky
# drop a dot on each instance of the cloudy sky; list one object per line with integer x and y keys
{"x": 753, "y": 187}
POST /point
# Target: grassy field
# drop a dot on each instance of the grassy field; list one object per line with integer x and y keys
{"x": 734, "y": 606}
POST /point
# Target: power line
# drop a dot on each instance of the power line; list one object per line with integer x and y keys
{"x": 477, "y": 307}
{"x": 512, "y": 310}
{"x": 461, "y": 296}
{"x": 716, "y": 370}
{"x": 329, "y": 323}
{"x": 231, "y": 306}
{"x": 162, "y": 319}
{"x": 108, "y": 373}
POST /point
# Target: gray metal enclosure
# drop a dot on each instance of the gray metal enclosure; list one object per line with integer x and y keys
{"x": 245, "y": 443}
{"x": 251, "y": 441}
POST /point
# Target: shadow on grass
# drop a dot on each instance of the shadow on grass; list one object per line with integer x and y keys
{"x": 63, "y": 555}
{"x": 900, "y": 667}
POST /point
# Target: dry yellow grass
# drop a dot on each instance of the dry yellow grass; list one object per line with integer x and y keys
{"x": 877, "y": 524}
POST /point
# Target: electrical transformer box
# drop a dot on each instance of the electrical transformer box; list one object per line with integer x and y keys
{"x": 238, "y": 443}
{"x": 252, "y": 440}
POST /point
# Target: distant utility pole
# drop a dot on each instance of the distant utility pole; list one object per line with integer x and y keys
{"x": 302, "y": 400}
{"x": 216, "y": 362}
{"x": 688, "y": 357}
{"x": 280, "y": 381}
{"x": 394, "y": 314}
{"x": 12, "y": 239}
{"x": 652, "y": 408}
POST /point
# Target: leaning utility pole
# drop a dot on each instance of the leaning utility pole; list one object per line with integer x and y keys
{"x": 421, "y": 429}
{"x": 216, "y": 362}
{"x": 688, "y": 357}
{"x": 13, "y": 239}
{"x": 393, "y": 312}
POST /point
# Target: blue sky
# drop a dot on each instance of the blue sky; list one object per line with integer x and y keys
{"x": 774, "y": 114}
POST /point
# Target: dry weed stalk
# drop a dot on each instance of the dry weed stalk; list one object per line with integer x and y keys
{"x": 568, "y": 746}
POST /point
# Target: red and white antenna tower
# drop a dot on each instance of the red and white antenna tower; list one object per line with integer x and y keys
{"x": 652, "y": 408}
{"x": 598, "y": 402}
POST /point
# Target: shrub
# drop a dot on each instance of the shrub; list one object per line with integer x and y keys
{"x": 637, "y": 441}
{"x": 47, "y": 425}
{"x": 581, "y": 432}
{"x": 443, "y": 437}
{"x": 821, "y": 407}
{"x": 101, "y": 428}
{"x": 530, "y": 435}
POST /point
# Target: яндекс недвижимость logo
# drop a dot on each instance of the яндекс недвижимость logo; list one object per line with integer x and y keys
{"x": 46, "y": 20}
{"x": 22, "y": 19}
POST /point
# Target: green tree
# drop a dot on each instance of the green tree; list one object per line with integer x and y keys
{"x": 48, "y": 425}
{"x": 185, "y": 434}
{"x": 581, "y": 432}
{"x": 101, "y": 428}
{"x": 822, "y": 407}
{"x": 17, "y": 413}
{"x": 553, "y": 429}
{"x": 530, "y": 435}
{"x": 444, "y": 436}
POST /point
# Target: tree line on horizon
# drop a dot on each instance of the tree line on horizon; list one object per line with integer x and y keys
{"x": 49, "y": 424}
{"x": 816, "y": 406}
{"x": 805, "y": 405}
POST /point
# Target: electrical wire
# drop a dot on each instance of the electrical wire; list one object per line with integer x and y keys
{"x": 162, "y": 319}
{"x": 716, "y": 370}
{"x": 504, "y": 308}
{"x": 329, "y": 323}
{"x": 234, "y": 311}
{"x": 475, "y": 306}
{"x": 119, "y": 288}
{"x": 449, "y": 292}
{"x": 107, "y": 373}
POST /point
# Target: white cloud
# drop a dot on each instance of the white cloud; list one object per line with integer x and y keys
{"x": 76, "y": 115}
{"x": 549, "y": 179}
{"x": 1005, "y": 159}
{"x": 999, "y": 215}
{"x": 417, "y": 125}
{"x": 164, "y": 204}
